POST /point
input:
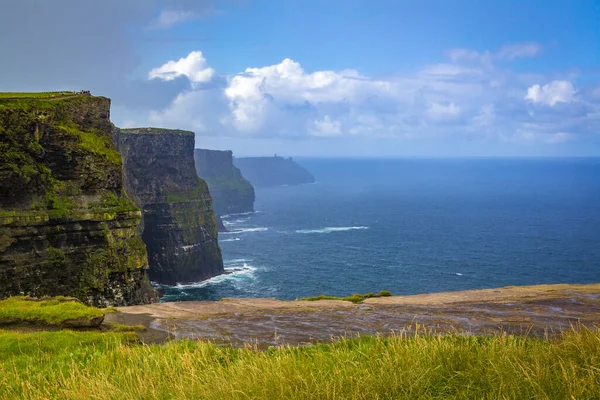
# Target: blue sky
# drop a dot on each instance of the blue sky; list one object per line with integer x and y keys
{"x": 333, "y": 78}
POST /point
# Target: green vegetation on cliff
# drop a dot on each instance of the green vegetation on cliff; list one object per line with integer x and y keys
{"x": 78, "y": 365}
{"x": 50, "y": 311}
{"x": 179, "y": 225}
{"x": 230, "y": 191}
{"x": 66, "y": 225}
{"x": 355, "y": 298}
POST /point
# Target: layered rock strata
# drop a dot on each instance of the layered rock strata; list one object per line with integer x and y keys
{"x": 179, "y": 225}
{"x": 231, "y": 192}
{"x": 66, "y": 226}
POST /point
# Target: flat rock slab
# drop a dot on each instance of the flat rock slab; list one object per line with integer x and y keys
{"x": 537, "y": 310}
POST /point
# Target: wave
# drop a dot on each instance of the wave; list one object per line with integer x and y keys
{"x": 458, "y": 273}
{"x": 234, "y": 273}
{"x": 235, "y": 221}
{"x": 332, "y": 229}
{"x": 230, "y": 263}
{"x": 229, "y": 240}
{"x": 238, "y": 214}
{"x": 245, "y": 230}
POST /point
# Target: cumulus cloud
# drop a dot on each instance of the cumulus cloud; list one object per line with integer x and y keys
{"x": 463, "y": 98}
{"x": 326, "y": 127}
{"x": 443, "y": 112}
{"x": 551, "y": 93}
{"x": 193, "y": 66}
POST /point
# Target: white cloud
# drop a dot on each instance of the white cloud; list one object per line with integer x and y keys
{"x": 170, "y": 18}
{"x": 442, "y": 112}
{"x": 507, "y": 52}
{"x": 551, "y": 93}
{"x": 486, "y": 116}
{"x": 512, "y": 51}
{"x": 326, "y": 127}
{"x": 193, "y": 67}
{"x": 451, "y": 99}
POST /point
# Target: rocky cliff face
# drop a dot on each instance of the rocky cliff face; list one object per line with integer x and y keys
{"x": 180, "y": 229}
{"x": 273, "y": 171}
{"x": 230, "y": 191}
{"x": 66, "y": 225}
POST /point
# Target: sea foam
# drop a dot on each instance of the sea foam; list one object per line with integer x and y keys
{"x": 245, "y": 230}
{"x": 332, "y": 229}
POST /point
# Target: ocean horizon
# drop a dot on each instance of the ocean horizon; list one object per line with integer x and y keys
{"x": 413, "y": 225}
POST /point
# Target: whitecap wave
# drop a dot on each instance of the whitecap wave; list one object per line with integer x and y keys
{"x": 458, "y": 273}
{"x": 233, "y": 261}
{"x": 245, "y": 230}
{"x": 229, "y": 240}
{"x": 332, "y": 229}
{"x": 238, "y": 214}
{"x": 234, "y": 273}
{"x": 235, "y": 221}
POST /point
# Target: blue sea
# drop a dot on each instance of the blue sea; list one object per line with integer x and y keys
{"x": 413, "y": 226}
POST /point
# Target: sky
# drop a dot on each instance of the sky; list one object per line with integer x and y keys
{"x": 328, "y": 78}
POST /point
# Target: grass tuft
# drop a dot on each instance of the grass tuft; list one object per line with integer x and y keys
{"x": 46, "y": 311}
{"x": 356, "y": 298}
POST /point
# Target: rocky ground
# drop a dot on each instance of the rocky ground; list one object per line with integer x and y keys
{"x": 534, "y": 310}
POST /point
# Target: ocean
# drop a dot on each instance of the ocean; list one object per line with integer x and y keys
{"x": 413, "y": 226}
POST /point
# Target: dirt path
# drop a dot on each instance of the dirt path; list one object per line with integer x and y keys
{"x": 522, "y": 310}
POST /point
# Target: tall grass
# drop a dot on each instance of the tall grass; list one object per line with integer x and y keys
{"x": 106, "y": 366}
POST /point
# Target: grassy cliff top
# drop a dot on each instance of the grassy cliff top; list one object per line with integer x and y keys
{"x": 50, "y": 311}
{"x": 155, "y": 131}
{"x": 33, "y": 95}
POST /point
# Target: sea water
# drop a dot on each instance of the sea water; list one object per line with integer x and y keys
{"x": 413, "y": 226}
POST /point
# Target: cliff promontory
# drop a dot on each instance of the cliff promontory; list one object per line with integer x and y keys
{"x": 273, "y": 171}
{"x": 179, "y": 229}
{"x": 66, "y": 226}
{"x": 230, "y": 191}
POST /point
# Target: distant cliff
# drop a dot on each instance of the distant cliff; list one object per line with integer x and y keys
{"x": 273, "y": 171}
{"x": 66, "y": 226}
{"x": 231, "y": 193}
{"x": 179, "y": 228}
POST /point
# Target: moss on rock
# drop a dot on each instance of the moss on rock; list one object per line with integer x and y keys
{"x": 67, "y": 227}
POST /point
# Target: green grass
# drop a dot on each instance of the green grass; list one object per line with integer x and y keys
{"x": 85, "y": 365}
{"x": 51, "y": 311}
{"x": 33, "y": 95}
{"x": 355, "y": 298}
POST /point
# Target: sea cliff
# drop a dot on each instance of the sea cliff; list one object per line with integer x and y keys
{"x": 66, "y": 226}
{"x": 179, "y": 226}
{"x": 273, "y": 171}
{"x": 230, "y": 191}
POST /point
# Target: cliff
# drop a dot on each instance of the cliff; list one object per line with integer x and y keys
{"x": 66, "y": 226}
{"x": 273, "y": 171}
{"x": 230, "y": 191}
{"x": 179, "y": 226}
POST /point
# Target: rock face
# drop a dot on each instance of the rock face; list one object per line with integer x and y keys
{"x": 273, "y": 171}
{"x": 66, "y": 226}
{"x": 230, "y": 191}
{"x": 179, "y": 228}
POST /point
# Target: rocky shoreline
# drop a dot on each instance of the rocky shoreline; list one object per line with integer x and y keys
{"x": 524, "y": 310}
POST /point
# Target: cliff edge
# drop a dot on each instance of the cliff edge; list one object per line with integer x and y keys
{"x": 273, "y": 171}
{"x": 230, "y": 191}
{"x": 66, "y": 226}
{"x": 179, "y": 226}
